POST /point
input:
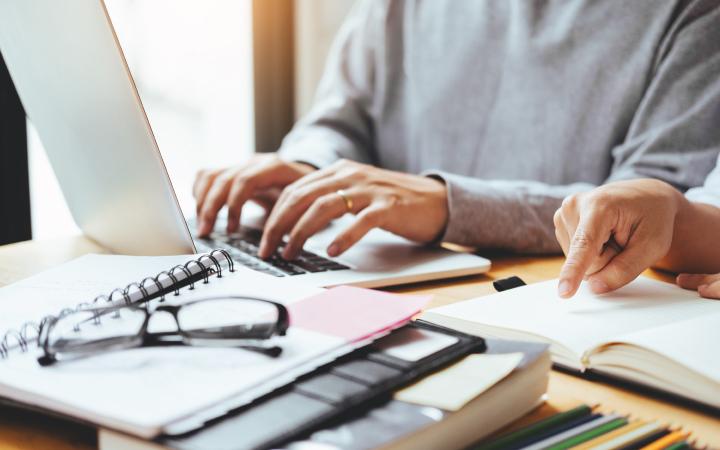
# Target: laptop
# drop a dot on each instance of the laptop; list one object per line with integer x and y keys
{"x": 76, "y": 87}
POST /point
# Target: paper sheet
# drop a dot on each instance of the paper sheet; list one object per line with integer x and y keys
{"x": 454, "y": 387}
{"x": 355, "y": 313}
{"x": 140, "y": 391}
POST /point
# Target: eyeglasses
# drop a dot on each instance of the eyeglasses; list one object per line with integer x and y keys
{"x": 228, "y": 321}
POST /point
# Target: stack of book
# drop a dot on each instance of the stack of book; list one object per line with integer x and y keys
{"x": 352, "y": 373}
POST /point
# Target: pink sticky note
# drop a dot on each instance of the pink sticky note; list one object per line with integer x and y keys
{"x": 354, "y": 313}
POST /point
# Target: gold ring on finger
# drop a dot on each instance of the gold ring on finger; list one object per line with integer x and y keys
{"x": 346, "y": 198}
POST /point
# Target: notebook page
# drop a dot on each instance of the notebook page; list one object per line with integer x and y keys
{"x": 77, "y": 281}
{"x": 142, "y": 390}
{"x": 587, "y": 319}
{"x": 84, "y": 278}
{"x": 693, "y": 343}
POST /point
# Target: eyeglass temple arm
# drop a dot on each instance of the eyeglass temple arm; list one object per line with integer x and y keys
{"x": 172, "y": 339}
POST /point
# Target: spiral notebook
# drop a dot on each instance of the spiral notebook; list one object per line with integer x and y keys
{"x": 150, "y": 391}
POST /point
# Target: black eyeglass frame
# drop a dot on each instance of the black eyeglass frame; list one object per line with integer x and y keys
{"x": 180, "y": 337}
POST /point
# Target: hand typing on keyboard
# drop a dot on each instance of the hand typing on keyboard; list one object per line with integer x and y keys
{"x": 260, "y": 179}
{"x": 411, "y": 206}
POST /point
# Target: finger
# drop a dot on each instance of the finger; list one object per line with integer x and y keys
{"x": 693, "y": 281}
{"x": 608, "y": 253}
{"x": 290, "y": 208}
{"x": 570, "y": 222}
{"x": 313, "y": 177}
{"x": 213, "y": 202}
{"x": 203, "y": 182}
{"x": 252, "y": 180}
{"x": 623, "y": 268}
{"x": 563, "y": 239}
{"x": 565, "y": 226}
{"x": 561, "y": 231}
{"x": 242, "y": 188}
{"x": 266, "y": 198}
{"x": 321, "y": 213}
{"x": 711, "y": 290}
{"x": 592, "y": 232}
{"x": 301, "y": 185}
{"x": 371, "y": 217}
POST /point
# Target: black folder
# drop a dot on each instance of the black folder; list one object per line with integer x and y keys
{"x": 364, "y": 379}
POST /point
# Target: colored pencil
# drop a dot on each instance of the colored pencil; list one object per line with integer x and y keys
{"x": 629, "y": 437}
{"x": 586, "y": 436}
{"x": 609, "y": 436}
{"x": 670, "y": 439}
{"x": 561, "y": 437}
{"x": 511, "y": 439}
{"x": 554, "y": 431}
{"x": 647, "y": 440}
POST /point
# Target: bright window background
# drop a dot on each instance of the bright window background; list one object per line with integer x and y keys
{"x": 192, "y": 63}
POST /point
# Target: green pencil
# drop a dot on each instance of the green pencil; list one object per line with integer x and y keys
{"x": 586, "y": 436}
{"x": 536, "y": 428}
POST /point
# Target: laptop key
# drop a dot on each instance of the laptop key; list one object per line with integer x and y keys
{"x": 286, "y": 266}
{"x": 309, "y": 266}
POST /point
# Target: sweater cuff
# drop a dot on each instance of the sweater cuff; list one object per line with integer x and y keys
{"x": 483, "y": 215}
{"x": 462, "y": 211}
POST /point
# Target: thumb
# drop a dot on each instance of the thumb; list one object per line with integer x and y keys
{"x": 623, "y": 268}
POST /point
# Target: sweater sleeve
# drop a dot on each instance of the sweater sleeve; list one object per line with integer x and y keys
{"x": 339, "y": 126}
{"x": 709, "y": 192}
{"x": 673, "y": 136}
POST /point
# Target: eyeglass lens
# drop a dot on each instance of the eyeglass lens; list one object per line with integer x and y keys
{"x": 222, "y": 322}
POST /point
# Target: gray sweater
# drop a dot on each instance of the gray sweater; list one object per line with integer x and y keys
{"x": 518, "y": 103}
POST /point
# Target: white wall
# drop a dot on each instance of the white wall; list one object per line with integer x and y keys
{"x": 192, "y": 62}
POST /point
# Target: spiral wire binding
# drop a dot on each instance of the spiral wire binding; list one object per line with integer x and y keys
{"x": 29, "y": 331}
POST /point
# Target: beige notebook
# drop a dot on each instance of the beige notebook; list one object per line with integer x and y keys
{"x": 648, "y": 332}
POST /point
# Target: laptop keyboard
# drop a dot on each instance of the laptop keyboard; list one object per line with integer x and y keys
{"x": 243, "y": 247}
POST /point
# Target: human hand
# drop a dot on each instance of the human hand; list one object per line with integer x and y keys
{"x": 708, "y": 286}
{"x": 614, "y": 232}
{"x": 260, "y": 179}
{"x": 411, "y": 206}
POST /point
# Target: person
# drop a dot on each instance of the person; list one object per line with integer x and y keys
{"x": 469, "y": 121}
{"x": 613, "y": 233}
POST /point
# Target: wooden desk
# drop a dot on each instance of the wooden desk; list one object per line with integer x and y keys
{"x": 23, "y": 430}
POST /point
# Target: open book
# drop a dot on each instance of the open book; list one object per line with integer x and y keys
{"x": 648, "y": 332}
